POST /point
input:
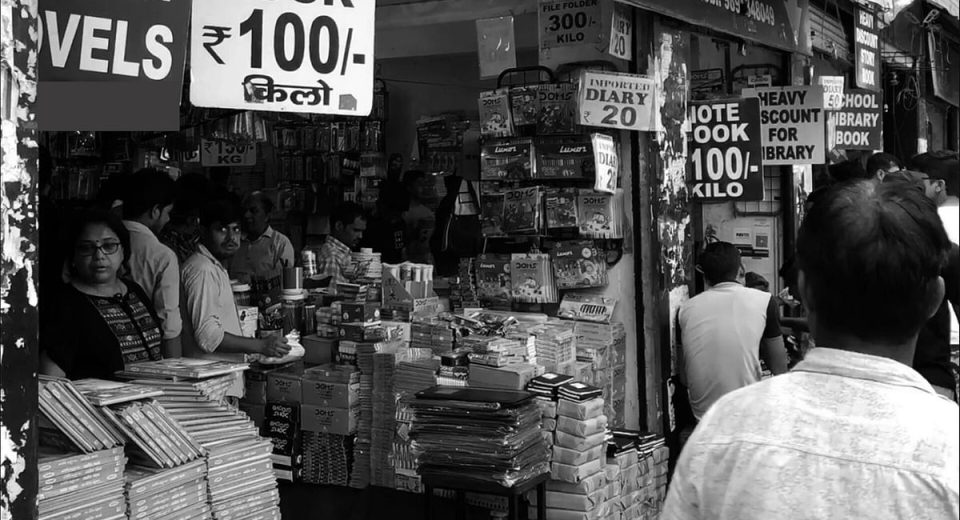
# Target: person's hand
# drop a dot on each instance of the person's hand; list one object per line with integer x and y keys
{"x": 274, "y": 346}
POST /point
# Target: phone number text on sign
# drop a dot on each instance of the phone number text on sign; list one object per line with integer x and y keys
{"x": 616, "y": 100}
{"x": 725, "y": 150}
{"x": 313, "y": 56}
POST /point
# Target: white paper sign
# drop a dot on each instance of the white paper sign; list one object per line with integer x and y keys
{"x": 283, "y": 55}
{"x": 218, "y": 153}
{"x": 607, "y": 163}
{"x": 621, "y": 33}
{"x": 792, "y": 124}
{"x": 496, "y": 46}
{"x": 832, "y": 92}
{"x": 616, "y": 100}
{"x": 565, "y": 23}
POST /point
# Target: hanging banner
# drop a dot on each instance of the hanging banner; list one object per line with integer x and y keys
{"x": 832, "y": 91}
{"x": 621, "y": 33}
{"x": 859, "y": 124}
{"x": 725, "y": 151}
{"x": 607, "y": 163}
{"x": 792, "y": 124}
{"x": 219, "y": 153}
{"x": 111, "y": 65}
{"x": 564, "y": 23}
{"x": 616, "y": 100}
{"x": 284, "y": 55}
{"x": 866, "y": 49}
{"x": 496, "y": 46}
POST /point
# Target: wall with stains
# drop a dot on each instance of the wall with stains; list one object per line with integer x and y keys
{"x": 18, "y": 239}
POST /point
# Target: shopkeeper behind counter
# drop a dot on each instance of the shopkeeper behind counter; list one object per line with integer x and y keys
{"x": 347, "y": 224}
{"x": 264, "y": 252}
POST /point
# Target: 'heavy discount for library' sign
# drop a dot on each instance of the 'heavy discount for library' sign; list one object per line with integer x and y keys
{"x": 616, "y": 100}
{"x": 313, "y": 56}
{"x": 792, "y": 126}
{"x": 725, "y": 150}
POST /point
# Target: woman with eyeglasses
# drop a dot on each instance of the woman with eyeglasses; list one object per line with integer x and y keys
{"x": 100, "y": 321}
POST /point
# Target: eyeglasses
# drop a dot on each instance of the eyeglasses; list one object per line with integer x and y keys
{"x": 90, "y": 249}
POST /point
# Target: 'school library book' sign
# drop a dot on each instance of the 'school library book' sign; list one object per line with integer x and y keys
{"x": 312, "y": 56}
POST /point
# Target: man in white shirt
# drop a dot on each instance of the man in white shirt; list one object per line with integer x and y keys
{"x": 264, "y": 252}
{"x": 726, "y": 330}
{"x": 852, "y": 431}
{"x": 146, "y": 210}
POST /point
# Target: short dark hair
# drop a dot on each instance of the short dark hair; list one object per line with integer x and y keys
{"x": 88, "y": 217}
{"x": 868, "y": 253}
{"x": 720, "y": 262}
{"x": 346, "y": 214}
{"x": 848, "y": 171}
{"x": 220, "y": 211}
{"x": 146, "y": 189}
{"x": 882, "y": 161}
{"x": 943, "y": 165}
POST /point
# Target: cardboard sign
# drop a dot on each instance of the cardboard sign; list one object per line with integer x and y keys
{"x": 792, "y": 124}
{"x": 866, "y": 50}
{"x": 607, "y": 162}
{"x": 621, "y": 33}
{"x": 832, "y": 91}
{"x": 859, "y": 125}
{"x": 565, "y": 23}
{"x": 285, "y": 55}
{"x": 725, "y": 151}
{"x": 218, "y": 153}
{"x": 616, "y": 100}
{"x": 111, "y": 65}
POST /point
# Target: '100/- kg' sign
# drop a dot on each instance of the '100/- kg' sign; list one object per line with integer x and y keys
{"x": 725, "y": 162}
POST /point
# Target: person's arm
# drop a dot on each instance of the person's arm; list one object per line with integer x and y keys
{"x": 327, "y": 266}
{"x": 285, "y": 252}
{"x": 166, "y": 302}
{"x": 772, "y": 351}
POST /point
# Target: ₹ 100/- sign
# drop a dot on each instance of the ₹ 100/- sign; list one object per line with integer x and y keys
{"x": 313, "y": 56}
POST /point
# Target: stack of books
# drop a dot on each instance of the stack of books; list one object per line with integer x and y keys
{"x": 69, "y": 422}
{"x": 157, "y": 439}
{"x": 180, "y": 492}
{"x": 327, "y": 458}
{"x": 384, "y": 418}
{"x": 464, "y": 293}
{"x": 241, "y": 482}
{"x": 81, "y": 485}
{"x": 556, "y": 347}
{"x": 432, "y": 333}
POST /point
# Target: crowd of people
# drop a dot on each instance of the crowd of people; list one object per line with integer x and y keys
{"x": 867, "y": 424}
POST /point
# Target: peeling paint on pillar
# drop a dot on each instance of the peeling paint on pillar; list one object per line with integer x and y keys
{"x": 18, "y": 239}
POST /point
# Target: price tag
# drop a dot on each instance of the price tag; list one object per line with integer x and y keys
{"x": 616, "y": 100}
{"x": 621, "y": 33}
{"x": 217, "y": 153}
{"x": 312, "y": 56}
{"x": 607, "y": 163}
{"x": 725, "y": 150}
{"x": 569, "y": 22}
{"x": 832, "y": 91}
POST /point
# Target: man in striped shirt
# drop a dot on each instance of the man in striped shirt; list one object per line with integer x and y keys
{"x": 347, "y": 224}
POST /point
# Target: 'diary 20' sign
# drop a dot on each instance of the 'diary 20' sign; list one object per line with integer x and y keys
{"x": 616, "y": 100}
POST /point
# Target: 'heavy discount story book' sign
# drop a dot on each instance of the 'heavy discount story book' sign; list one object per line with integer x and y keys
{"x": 616, "y": 100}
{"x": 312, "y": 56}
{"x": 792, "y": 124}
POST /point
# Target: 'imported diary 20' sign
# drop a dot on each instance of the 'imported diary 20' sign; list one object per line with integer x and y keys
{"x": 616, "y": 100}
{"x": 792, "y": 124}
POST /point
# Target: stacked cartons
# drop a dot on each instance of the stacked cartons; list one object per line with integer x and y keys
{"x": 604, "y": 347}
{"x": 282, "y": 426}
{"x": 622, "y": 453}
{"x": 331, "y": 400}
{"x": 81, "y": 486}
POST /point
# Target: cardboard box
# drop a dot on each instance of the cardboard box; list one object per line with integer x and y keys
{"x": 255, "y": 411}
{"x": 319, "y": 351}
{"x": 366, "y": 313}
{"x": 289, "y": 412}
{"x": 255, "y": 392}
{"x": 362, "y": 333}
{"x": 341, "y": 421}
{"x": 284, "y": 386}
{"x": 331, "y": 394}
{"x": 333, "y": 373}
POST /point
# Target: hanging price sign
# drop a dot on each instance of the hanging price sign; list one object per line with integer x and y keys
{"x": 569, "y": 22}
{"x": 313, "y": 56}
{"x": 621, "y": 32}
{"x": 616, "y": 100}
{"x": 725, "y": 152}
{"x": 218, "y": 153}
{"x": 607, "y": 163}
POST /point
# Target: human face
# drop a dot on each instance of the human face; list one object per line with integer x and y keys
{"x": 97, "y": 255}
{"x": 352, "y": 234}
{"x": 934, "y": 189}
{"x": 222, "y": 240}
{"x": 254, "y": 217}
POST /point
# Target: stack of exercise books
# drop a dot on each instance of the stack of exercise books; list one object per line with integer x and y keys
{"x": 157, "y": 439}
{"x": 241, "y": 481}
{"x": 69, "y": 422}
{"x": 81, "y": 485}
{"x": 179, "y": 492}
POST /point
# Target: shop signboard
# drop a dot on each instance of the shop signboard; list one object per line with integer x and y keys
{"x": 792, "y": 124}
{"x": 111, "y": 65}
{"x": 706, "y": 82}
{"x": 782, "y": 24}
{"x": 859, "y": 124}
{"x": 607, "y": 163}
{"x": 725, "y": 150}
{"x": 565, "y": 23}
{"x": 832, "y": 91}
{"x": 616, "y": 100}
{"x": 308, "y": 56}
{"x": 219, "y": 153}
{"x": 621, "y": 33}
{"x": 866, "y": 48}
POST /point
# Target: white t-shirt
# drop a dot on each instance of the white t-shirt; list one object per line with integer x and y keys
{"x": 950, "y": 215}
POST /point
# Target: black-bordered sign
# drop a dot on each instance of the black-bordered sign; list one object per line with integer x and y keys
{"x": 859, "y": 124}
{"x": 725, "y": 151}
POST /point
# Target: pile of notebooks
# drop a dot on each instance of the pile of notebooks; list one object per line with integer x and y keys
{"x": 463, "y": 293}
{"x": 362, "y": 470}
{"x": 157, "y": 439}
{"x": 241, "y": 482}
{"x": 81, "y": 485}
{"x": 180, "y": 492}
{"x": 327, "y": 458}
{"x": 384, "y": 419}
{"x": 578, "y": 392}
{"x": 68, "y": 421}
{"x": 548, "y": 385}
{"x": 555, "y": 346}
{"x": 487, "y": 436}
{"x": 432, "y": 333}
{"x": 509, "y": 377}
